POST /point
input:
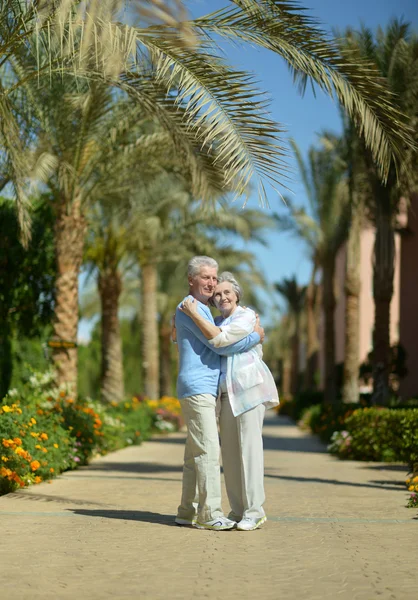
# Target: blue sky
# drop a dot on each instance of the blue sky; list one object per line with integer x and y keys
{"x": 303, "y": 118}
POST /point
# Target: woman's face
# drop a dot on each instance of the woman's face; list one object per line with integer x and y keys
{"x": 224, "y": 297}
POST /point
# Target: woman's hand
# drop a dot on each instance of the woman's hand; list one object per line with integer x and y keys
{"x": 189, "y": 307}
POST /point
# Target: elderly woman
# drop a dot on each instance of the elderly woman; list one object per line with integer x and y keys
{"x": 246, "y": 388}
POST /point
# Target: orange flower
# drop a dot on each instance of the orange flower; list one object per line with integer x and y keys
{"x": 33, "y": 421}
{"x": 17, "y": 441}
{"x": 34, "y": 465}
{"x": 62, "y": 394}
{"x": 44, "y": 450}
{"x": 44, "y": 436}
{"x": 38, "y": 479}
{"x": 40, "y": 411}
{"x": 51, "y": 470}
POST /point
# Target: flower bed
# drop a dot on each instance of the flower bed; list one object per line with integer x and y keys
{"x": 45, "y": 434}
{"x": 412, "y": 485}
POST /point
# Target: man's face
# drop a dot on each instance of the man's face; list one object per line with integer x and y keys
{"x": 202, "y": 286}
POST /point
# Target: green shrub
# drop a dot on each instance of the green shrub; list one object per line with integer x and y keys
{"x": 380, "y": 434}
{"x": 324, "y": 420}
{"x": 44, "y": 431}
{"x": 295, "y": 408}
{"x": 34, "y": 446}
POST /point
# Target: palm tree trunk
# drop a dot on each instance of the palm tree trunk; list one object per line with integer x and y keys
{"x": 352, "y": 316}
{"x": 165, "y": 359}
{"x": 294, "y": 376}
{"x": 70, "y": 231}
{"x": 383, "y": 274}
{"x": 6, "y": 361}
{"x": 111, "y": 383}
{"x": 311, "y": 334}
{"x": 150, "y": 330}
{"x": 330, "y": 396}
{"x": 286, "y": 379}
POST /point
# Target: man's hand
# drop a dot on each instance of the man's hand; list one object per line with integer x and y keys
{"x": 258, "y": 329}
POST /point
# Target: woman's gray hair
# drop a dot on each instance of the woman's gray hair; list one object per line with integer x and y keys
{"x": 227, "y": 276}
{"x": 197, "y": 262}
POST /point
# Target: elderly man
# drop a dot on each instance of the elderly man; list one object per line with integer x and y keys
{"x": 197, "y": 389}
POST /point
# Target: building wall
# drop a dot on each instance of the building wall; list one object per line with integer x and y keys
{"x": 366, "y": 301}
{"x": 408, "y": 326}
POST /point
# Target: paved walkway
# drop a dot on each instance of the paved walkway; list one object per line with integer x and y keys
{"x": 335, "y": 530}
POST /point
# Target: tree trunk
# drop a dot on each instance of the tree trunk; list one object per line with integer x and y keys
{"x": 383, "y": 274}
{"x": 311, "y": 335}
{"x": 329, "y": 334}
{"x": 165, "y": 359}
{"x": 70, "y": 231}
{"x": 352, "y": 316}
{"x": 286, "y": 370}
{"x": 111, "y": 383}
{"x": 6, "y": 360}
{"x": 294, "y": 376}
{"x": 150, "y": 330}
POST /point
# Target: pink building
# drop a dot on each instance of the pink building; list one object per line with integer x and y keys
{"x": 404, "y": 306}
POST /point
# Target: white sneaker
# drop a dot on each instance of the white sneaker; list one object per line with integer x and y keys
{"x": 219, "y": 524}
{"x": 185, "y": 522}
{"x": 249, "y": 524}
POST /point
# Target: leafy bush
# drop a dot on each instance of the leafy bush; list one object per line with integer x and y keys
{"x": 380, "y": 434}
{"x": 324, "y": 420}
{"x": 44, "y": 431}
{"x": 412, "y": 485}
{"x": 34, "y": 446}
{"x": 294, "y": 408}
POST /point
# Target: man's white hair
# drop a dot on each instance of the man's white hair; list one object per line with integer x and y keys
{"x": 197, "y": 262}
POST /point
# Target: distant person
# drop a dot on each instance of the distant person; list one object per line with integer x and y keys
{"x": 197, "y": 389}
{"x": 247, "y": 388}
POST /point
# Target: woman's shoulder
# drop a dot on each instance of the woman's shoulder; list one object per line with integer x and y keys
{"x": 244, "y": 312}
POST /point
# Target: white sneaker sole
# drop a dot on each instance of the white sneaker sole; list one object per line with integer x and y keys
{"x": 214, "y": 527}
{"x": 255, "y": 526}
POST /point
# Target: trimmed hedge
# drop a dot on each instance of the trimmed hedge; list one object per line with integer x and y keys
{"x": 295, "y": 407}
{"x": 379, "y": 434}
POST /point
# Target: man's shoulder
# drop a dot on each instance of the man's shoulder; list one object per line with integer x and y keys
{"x": 203, "y": 309}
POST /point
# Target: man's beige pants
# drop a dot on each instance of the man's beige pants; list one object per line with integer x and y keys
{"x": 201, "y": 470}
{"x": 243, "y": 460}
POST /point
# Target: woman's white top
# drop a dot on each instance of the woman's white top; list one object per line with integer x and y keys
{"x": 247, "y": 378}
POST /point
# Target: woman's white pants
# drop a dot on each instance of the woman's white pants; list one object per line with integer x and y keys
{"x": 243, "y": 460}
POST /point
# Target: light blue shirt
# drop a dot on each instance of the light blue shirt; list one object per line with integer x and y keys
{"x": 200, "y": 362}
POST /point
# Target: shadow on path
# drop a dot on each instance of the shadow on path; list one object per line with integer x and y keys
{"x": 128, "y": 515}
{"x": 387, "y": 467}
{"x": 134, "y": 467}
{"x": 289, "y": 444}
{"x": 60, "y": 499}
{"x": 168, "y": 440}
{"x": 385, "y": 485}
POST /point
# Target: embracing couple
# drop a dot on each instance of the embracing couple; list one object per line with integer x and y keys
{"x": 221, "y": 360}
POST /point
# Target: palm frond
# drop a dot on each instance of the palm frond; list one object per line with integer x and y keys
{"x": 283, "y": 26}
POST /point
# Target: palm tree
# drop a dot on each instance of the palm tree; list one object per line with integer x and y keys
{"x": 169, "y": 226}
{"x": 201, "y": 101}
{"x": 324, "y": 231}
{"x": 394, "y": 54}
{"x": 107, "y": 254}
{"x": 294, "y": 295}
